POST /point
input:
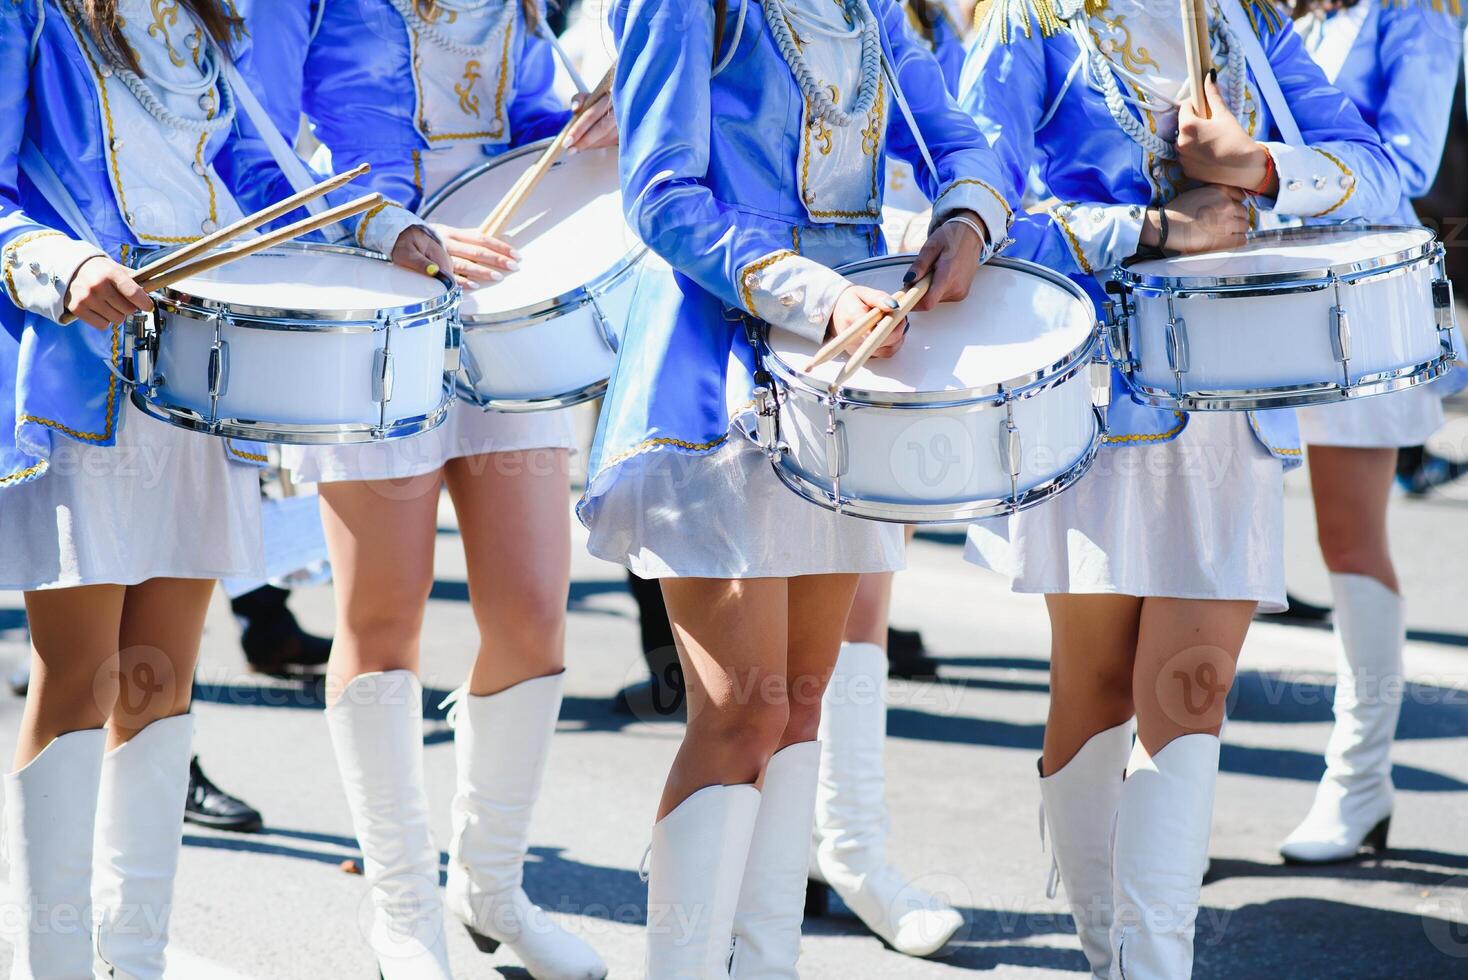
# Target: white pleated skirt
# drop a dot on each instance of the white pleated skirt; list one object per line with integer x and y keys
{"x": 726, "y": 515}
{"x": 161, "y": 503}
{"x": 1199, "y": 517}
{"x": 1394, "y": 421}
{"x": 468, "y": 431}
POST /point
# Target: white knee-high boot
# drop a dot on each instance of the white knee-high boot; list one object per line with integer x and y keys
{"x": 851, "y": 813}
{"x": 377, "y": 731}
{"x": 501, "y": 744}
{"x": 772, "y": 896}
{"x": 50, "y": 812}
{"x": 1079, "y": 803}
{"x": 1159, "y": 856}
{"x": 139, "y": 834}
{"x": 696, "y": 866}
{"x": 1353, "y": 804}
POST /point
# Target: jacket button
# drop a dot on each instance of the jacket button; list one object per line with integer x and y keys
{"x": 35, "y": 268}
{"x": 209, "y": 226}
{"x": 1292, "y": 184}
{"x": 1347, "y": 182}
{"x": 198, "y": 168}
{"x": 751, "y": 279}
{"x": 1320, "y": 183}
{"x": 810, "y": 197}
{"x": 116, "y": 144}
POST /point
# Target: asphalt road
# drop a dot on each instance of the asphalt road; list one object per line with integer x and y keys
{"x": 963, "y": 793}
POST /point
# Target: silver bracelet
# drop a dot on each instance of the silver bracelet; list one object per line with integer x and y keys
{"x": 990, "y": 246}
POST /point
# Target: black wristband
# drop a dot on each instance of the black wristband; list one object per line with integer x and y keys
{"x": 1162, "y": 230}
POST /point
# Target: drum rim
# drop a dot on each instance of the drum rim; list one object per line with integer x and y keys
{"x": 895, "y": 513}
{"x": 282, "y": 318}
{"x": 1345, "y": 271}
{"x": 296, "y": 434}
{"x": 563, "y": 303}
{"x": 1020, "y": 386}
{"x": 1295, "y": 396}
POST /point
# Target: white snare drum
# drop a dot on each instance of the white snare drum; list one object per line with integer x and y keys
{"x": 989, "y": 407}
{"x": 1297, "y": 316}
{"x": 546, "y": 336}
{"x": 304, "y": 344}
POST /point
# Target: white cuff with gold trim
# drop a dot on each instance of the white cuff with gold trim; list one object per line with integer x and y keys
{"x": 38, "y": 268}
{"x": 379, "y": 230}
{"x": 793, "y": 292}
{"x": 979, "y": 197}
{"x": 1312, "y": 182}
{"x": 1100, "y": 235}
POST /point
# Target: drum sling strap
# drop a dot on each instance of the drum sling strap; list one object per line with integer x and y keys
{"x": 1263, "y": 72}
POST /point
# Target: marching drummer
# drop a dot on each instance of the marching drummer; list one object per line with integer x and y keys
{"x": 1398, "y": 64}
{"x": 1152, "y": 567}
{"x": 757, "y": 581}
{"x": 425, "y": 90}
{"x": 115, "y": 525}
{"x": 852, "y": 826}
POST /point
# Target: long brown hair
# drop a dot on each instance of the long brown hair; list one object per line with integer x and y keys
{"x": 428, "y": 10}
{"x": 217, "y": 16}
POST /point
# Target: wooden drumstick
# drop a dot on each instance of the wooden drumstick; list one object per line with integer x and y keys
{"x": 1196, "y": 46}
{"x": 303, "y": 227}
{"x": 494, "y": 225}
{"x": 250, "y": 223}
{"x": 883, "y": 330}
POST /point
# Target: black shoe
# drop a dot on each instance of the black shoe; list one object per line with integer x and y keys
{"x": 273, "y": 641}
{"x": 652, "y": 700}
{"x": 907, "y": 658}
{"x": 1427, "y": 472}
{"x": 19, "y": 680}
{"x": 210, "y": 806}
{"x": 1300, "y": 612}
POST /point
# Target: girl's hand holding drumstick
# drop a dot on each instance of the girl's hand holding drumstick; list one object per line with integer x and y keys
{"x": 104, "y": 292}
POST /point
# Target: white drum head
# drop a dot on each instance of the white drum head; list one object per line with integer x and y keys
{"x": 1299, "y": 251}
{"x": 309, "y": 279}
{"x": 569, "y": 232}
{"x": 1013, "y": 323}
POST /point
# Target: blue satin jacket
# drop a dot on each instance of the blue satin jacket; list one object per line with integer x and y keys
{"x": 54, "y": 380}
{"x": 1020, "y": 84}
{"x": 712, "y": 181}
{"x": 1400, "y": 73}
{"x": 347, "y": 65}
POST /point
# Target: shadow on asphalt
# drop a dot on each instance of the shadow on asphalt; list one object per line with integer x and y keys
{"x": 1428, "y": 712}
{"x": 1327, "y": 939}
{"x": 1407, "y": 866}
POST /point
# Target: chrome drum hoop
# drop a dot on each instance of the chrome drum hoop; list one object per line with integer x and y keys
{"x": 283, "y": 433}
{"x": 1347, "y": 273}
{"x": 1294, "y": 396}
{"x": 580, "y": 396}
{"x": 175, "y": 300}
{"x": 924, "y": 514}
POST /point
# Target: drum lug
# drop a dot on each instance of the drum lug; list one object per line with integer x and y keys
{"x": 1442, "y": 303}
{"x": 382, "y": 372}
{"x": 1177, "y": 348}
{"x": 453, "y": 345}
{"x": 1011, "y": 448}
{"x": 1101, "y": 384}
{"x": 219, "y": 369}
{"x": 1340, "y": 339}
{"x": 836, "y": 453}
{"x": 767, "y": 422}
{"x": 603, "y": 323}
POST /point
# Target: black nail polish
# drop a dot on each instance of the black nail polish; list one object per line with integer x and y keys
{"x": 909, "y": 277}
{"x": 1213, "y": 74}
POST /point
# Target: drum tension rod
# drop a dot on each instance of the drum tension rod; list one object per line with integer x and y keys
{"x": 1012, "y": 449}
{"x": 1177, "y": 345}
{"x": 218, "y": 369}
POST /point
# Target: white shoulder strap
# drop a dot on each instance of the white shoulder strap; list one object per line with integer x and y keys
{"x": 1263, "y": 73}
{"x": 544, "y": 30}
{"x": 33, "y": 162}
{"x": 316, "y": 19}
{"x": 890, "y": 71}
